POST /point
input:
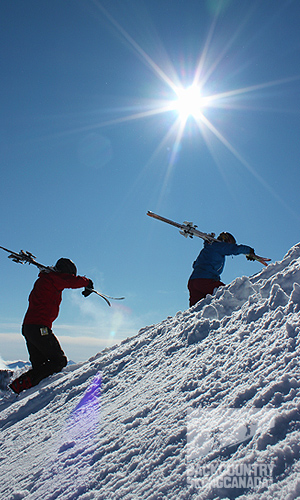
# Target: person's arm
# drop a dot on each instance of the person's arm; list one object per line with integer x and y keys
{"x": 63, "y": 280}
{"x": 234, "y": 249}
{"x": 88, "y": 289}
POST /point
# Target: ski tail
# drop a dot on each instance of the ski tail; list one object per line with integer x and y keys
{"x": 262, "y": 260}
{"x": 105, "y": 297}
{"x": 101, "y": 295}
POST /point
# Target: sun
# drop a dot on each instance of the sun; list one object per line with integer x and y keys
{"x": 193, "y": 101}
{"x": 189, "y": 102}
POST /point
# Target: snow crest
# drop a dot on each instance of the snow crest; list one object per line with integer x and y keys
{"x": 204, "y": 405}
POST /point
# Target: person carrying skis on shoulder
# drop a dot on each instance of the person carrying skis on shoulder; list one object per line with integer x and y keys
{"x": 45, "y": 353}
{"x": 209, "y": 265}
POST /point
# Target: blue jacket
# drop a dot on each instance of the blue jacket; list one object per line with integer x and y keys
{"x": 211, "y": 260}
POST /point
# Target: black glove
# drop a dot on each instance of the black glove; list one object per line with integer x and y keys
{"x": 86, "y": 292}
{"x": 251, "y": 255}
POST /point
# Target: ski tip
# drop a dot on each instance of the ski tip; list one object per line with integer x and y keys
{"x": 263, "y": 260}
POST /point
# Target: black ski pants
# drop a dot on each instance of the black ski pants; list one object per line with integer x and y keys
{"x": 45, "y": 353}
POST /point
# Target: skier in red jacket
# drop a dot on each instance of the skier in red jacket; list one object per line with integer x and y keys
{"x": 45, "y": 353}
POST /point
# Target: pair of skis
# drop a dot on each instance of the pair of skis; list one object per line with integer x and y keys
{"x": 25, "y": 257}
{"x": 188, "y": 229}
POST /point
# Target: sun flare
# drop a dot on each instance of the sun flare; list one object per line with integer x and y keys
{"x": 189, "y": 102}
{"x": 196, "y": 101}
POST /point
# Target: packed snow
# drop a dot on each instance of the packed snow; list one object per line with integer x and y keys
{"x": 205, "y": 405}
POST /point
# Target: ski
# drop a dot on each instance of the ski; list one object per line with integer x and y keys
{"x": 24, "y": 257}
{"x": 262, "y": 260}
{"x": 105, "y": 297}
{"x": 101, "y": 295}
{"x": 109, "y": 297}
{"x": 188, "y": 229}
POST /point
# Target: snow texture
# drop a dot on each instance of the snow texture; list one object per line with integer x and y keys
{"x": 200, "y": 406}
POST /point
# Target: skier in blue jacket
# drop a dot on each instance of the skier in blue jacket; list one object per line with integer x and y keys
{"x": 209, "y": 265}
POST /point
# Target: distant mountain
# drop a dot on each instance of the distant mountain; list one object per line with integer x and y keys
{"x": 14, "y": 365}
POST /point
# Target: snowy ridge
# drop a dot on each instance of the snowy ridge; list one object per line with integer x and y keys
{"x": 123, "y": 425}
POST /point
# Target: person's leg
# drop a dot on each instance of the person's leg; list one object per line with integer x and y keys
{"x": 56, "y": 357}
{"x": 200, "y": 287}
{"x": 196, "y": 291}
{"x": 36, "y": 357}
{"x": 46, "y": 354}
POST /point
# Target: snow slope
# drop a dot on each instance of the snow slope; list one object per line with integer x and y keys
{"x": 190, "y": 408}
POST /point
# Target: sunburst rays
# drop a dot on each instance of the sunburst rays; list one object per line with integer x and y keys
{"x": 190, "y": 101}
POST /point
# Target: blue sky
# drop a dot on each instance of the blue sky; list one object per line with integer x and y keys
{"x": 92, "y": 138}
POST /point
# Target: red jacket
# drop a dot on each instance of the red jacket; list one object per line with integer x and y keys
{"x": 46, "y": 295}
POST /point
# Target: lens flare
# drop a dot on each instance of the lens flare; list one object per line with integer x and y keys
{"x": 189, "y": 102}
{"x": 82, "y": 425}
{"x": 188, "y": 97}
